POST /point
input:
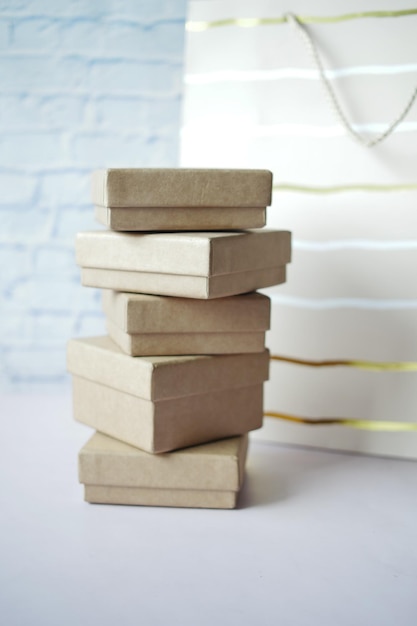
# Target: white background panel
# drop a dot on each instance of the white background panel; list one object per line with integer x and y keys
{"x": 343, "y": 333}
{"x": 355, "y": 215}
{"x": 223, "y": 9}
{"x": 365, "y": 98}
{"x": 307, "y": 160}
{"x": 341, "y": 392}
{"x": 351, "y": 274}
{"x": 342, "y": 44}
{"x": 337, "y": 160}
{"x": 351, "y": 290}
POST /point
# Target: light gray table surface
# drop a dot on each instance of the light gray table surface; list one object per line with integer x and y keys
{"x": 319, "y": 538}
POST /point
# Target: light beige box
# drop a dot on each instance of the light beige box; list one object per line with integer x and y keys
{"x": 159, "y": 325}
{"x": 208, "y": 476}
{"x": 148, "y": 344}
{"x": 181, "y": 187}
{"x": 197, "y": 265}
{"x": 163, "y": 403}
{"x": 160, "y": 426}
{"x": 183, "y": 286}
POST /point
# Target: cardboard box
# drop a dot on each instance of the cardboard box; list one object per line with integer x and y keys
{"x": 151, "y": 325}
{"x": 160, "y": 219}
{"x": 199, "y": 287}
{"x": 186, "y": 498}
{"x": 196, "y": 265}
{"x": 189, "y": 254}
{"x": 162, "y": 377}
{"x": 165, "y": 425}
{"x": 148, "y": 344}
{"x": 181, "y": 187}
{"x": 163, "y": 403}
{"x": 208, "y": 475}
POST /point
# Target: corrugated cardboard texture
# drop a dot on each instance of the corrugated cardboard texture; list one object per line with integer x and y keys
{"x": 181, "y": 188}
{"x": 159, "y": 219}
{"x": 170, "y": 424}
{"x": 147, "y": 344}
{"x": 161, "y": 377}
{"x": 183, "y": 286}
{"x": 140, "y": 313}
{"x": 196, "y": 499}
{"x": 213, "y": 466}
{"x": 190, "y": 254}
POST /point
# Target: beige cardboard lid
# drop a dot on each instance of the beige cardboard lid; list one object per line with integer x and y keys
{"x": 217, "y": 465}
{"x": 184, "y": 253}
{"x": 141, "y": 313}
{"x": 182, "y": 285}
{"x": 181, "y": 187}
{"x": 161, "y": 377}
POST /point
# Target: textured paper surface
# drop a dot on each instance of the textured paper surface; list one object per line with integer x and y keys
{"x": 198, "y": 499}
{"x": 190, "y": 254}
{"x": 150, "y": 325}
{"x": 161, "y": 377}
{"x": 143, "y": 344}
{"x": 169, "y": 424}
{"x": 184, "y": 286}
{"x": 181, "y": 187}
{"x": 141, "y": 313}
{"x": 145, "y": 219}
{"x": 213, "y": 466}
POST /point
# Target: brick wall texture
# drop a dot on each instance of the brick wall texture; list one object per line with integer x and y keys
{"x": 84, "y": 84}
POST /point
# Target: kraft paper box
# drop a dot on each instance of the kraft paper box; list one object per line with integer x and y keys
{"x": 181, "y": 187}
{"x": 181, "y": 199}
{"x": 161, "y": 426}
{"x": 151, "y": 325}
{"x": 159, "y": 219}
{"x": 164, "y": 403}
{"x": 208, "y": 475}
{"x": 195, "y": 265}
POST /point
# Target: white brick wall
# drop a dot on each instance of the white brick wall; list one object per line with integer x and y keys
{"x": 84, "y": 84}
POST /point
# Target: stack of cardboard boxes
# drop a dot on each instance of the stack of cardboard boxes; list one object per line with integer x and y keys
{"x": 177, "y": 384}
